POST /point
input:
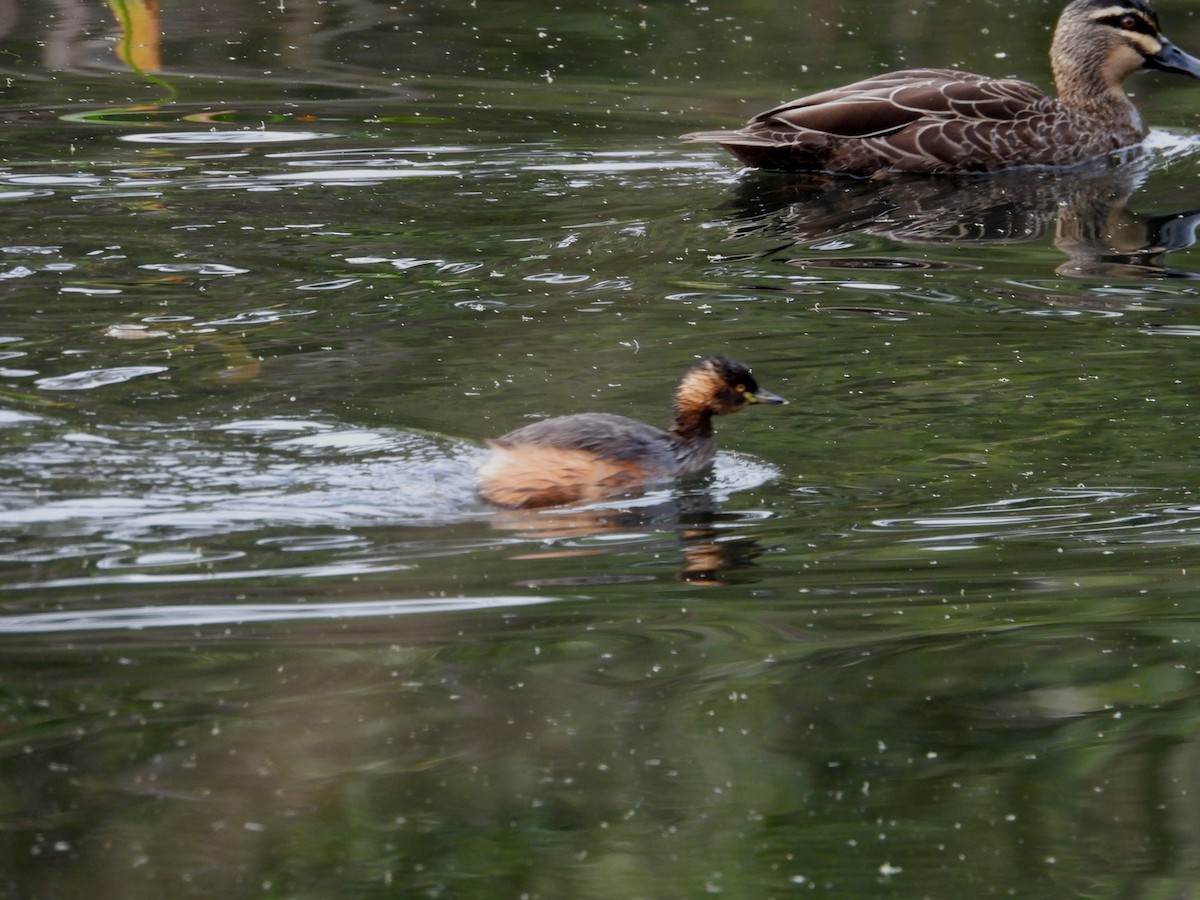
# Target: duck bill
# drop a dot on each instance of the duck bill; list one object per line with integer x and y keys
{"x": 761, "y": 396}
{"x": 1171, "y": 59}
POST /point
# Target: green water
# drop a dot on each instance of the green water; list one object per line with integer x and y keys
{"x": 928, "y": 631}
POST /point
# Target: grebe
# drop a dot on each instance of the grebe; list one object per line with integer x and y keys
{"x": 593, "y": 456}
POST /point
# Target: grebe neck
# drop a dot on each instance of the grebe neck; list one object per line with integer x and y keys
{"x": 692, "y": 425}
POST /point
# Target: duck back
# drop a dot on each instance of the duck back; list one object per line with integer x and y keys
{"x": 927, "y": 121}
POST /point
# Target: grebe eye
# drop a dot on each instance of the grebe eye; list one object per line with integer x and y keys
{"x": 741, "y": 389}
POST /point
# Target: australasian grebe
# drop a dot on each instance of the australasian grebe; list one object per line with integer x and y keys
{"x": 593, "y": 456}
{"x": 943, "y": 121}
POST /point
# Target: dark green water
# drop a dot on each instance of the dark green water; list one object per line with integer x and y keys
{"x": 929, "y": 631}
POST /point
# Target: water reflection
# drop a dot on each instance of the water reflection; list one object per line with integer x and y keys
{"x": 996, "y": 708}
{"x": 585, "y": 753}
{"x": 296, "y": 42}
{"x": 259, "y": 637}
{"x": 690, "y": 523}
{"x": 1087, "y": 212}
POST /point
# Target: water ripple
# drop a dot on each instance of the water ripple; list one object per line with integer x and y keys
{"x": 168, "y": 493}
{"x": 332, "y": 570}
{"x": 235, "y": 138}
{"x": 887, "y": 263}
{"x": 143, "y": 617}
{"x": 96, "y": 378}
{"x": 1094, "y": 515}
{"x": 246, "y": 475}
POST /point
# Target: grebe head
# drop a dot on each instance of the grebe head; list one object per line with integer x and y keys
{"x": 719, "y": 386}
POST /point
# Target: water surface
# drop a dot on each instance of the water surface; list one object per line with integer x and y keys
{"x": 930, "y": 629}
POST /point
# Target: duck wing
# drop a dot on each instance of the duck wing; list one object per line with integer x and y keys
{"x": 921, "y": 120}
{"x": 886, "y": 104}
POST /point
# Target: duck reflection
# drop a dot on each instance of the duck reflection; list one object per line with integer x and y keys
{"x": 1086, "y": 211}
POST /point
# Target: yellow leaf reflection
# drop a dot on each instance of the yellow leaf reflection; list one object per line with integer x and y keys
{"x": 140, "y": 34}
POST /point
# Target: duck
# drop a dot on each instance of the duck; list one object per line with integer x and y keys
{"x": 590, "y": 457}
{"x": 944, "y": 121}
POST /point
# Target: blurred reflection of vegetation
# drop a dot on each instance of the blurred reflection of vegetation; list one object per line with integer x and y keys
{"x": 650, "y": 758}
{"x": 139, "y": 44}
{"x": 740, "y": 53}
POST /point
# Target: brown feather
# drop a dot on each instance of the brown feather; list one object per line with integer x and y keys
{"x": 945, "y": 121}
{"x": 530, "y": 476}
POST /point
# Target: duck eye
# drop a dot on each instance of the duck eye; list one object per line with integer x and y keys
{"x": 1129, "y": 23}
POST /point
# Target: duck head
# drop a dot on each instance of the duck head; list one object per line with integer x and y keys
{"x": 1112, "y": 39}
